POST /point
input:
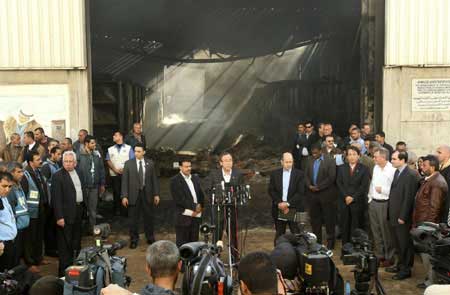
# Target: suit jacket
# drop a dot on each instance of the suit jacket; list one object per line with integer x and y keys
{"x": 356, "y": 185}
{"x": 131, "y": 140}
{"x": 184, "y": 199}
{"x": 130, "y": 181}
{"x": 401, "y": 197}
{"x": 216, "y": 177}
{"x": 302, "y": 141}
{"x": 296, "y": 191}
{"x": 64, "y": 195}
{"x": 445, "y": 172}
{"x": 36, "y": 148}
{"x": 430, "y": 200}
{"x": 326, "y": 176}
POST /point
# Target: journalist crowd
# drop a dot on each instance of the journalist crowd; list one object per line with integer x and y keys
{"x": 50, "y": 189}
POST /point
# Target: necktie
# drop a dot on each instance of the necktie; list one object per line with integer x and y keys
{"x": 397, "y": 172}
{"x": 141, "y": 175}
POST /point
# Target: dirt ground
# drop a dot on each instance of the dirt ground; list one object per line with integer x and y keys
{"x": 260, "y": 237}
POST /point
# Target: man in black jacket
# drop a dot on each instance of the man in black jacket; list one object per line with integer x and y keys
{"x": 320, "y": 177}
{"x": 303, "y": 144}
{"x": 140, "y": 192}
{"x": 353, "y": 180}
{"x": 443, "y": 153}
{"x": 400, "y": 208}
{"x": 286, "y": 188}
{"x": 229, "y": 177}
{"x": 189, "y": 201}
{"x": 67, "y": 203}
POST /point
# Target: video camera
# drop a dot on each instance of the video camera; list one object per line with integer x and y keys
{"x": 300, "y": 258}
{"x": 434, "y": 239}
{"x": 11, "y": 281}
{"x": 204, "y": 271}
{"x": 97, "y": 266}
{"x": 359, "y": 253}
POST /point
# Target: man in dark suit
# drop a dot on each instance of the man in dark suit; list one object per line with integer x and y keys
{"x": 380, "y": 138}
{"x": 353, "y": 180}
{"x": 32, "y": 145}
{"x": 400, "y": 208}
{"x": 286, "y": 188}
{"x": 303, "y": 144}
{"x": 229, "y": 176}
{"x": 443, "y": 153}
{"x": 321, "y": 194}
{"x": 140, "y": 192}
{"x": 189, "y": 201}
{"x": 67, "y": 203}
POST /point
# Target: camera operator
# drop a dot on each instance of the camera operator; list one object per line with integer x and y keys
{"x": 286, "y": 188}
{"x": 163, "y": 266}
{"x": 230, "y": 176}
{"x": 67, "y": 202}
{"x": 429, "y": 205}
{"x": 400, "y": 207}
{"x": 189, "y": 199}
{"x": 258, "y": 275}
{"x": 8, "y": 229}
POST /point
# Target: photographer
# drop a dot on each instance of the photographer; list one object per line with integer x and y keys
{"x": 8, "y": 229}
{"x": 163, "y": 266}
{"x": 258, "y": 274}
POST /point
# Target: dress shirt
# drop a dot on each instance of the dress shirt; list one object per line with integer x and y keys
{"x": 77, "y": 184}
{"x": 316, "y": 167}
{"x": 31, "y": 146}
{"x": 190, "y": 184}
{"x": 286, "y": 179}
{"x": 381, "y": 177}
{"x": 226, "y": 177}
{"x": 8, "y": 228}
{"x": 143, "y": 168}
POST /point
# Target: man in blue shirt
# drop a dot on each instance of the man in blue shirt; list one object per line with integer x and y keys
{"x": 8, "y": 229}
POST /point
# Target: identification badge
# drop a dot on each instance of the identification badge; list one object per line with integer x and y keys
{"x": 308, "y": 269}
{"x": 34, "y": 195}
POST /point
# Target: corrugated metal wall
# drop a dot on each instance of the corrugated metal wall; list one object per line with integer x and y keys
{"x": 42, "y": 34}
{"x": 417, "y": 32}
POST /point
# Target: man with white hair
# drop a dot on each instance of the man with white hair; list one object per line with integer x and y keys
{"x": 67, "y": 200}
{"x": 443, "y": 154}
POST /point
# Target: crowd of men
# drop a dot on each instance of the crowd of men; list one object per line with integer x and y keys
{"x": 360, "y": 181}
{"x": 344, "y": 183}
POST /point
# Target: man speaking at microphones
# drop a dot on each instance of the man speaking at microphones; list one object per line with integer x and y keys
{"x": 226, "y": 179}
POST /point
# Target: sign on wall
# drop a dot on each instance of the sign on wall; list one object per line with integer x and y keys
{"x": 26, "y": 107}
{"x": 430, "y": 95}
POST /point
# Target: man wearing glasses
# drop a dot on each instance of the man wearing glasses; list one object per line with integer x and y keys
{"x": 302, "y": 148}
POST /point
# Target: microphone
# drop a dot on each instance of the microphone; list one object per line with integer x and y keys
{"x": 223, "y": 185}
{"x": 247, "y": 191}
{"x": 219, "y": 245}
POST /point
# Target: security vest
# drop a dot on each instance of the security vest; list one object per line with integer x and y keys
{"x": 21, "y": 210}
{"x": 33, "y": 197}
{"x": 118, "y": 158}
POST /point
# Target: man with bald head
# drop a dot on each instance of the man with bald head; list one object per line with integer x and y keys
{"x": 443, "y": 154}
{"x": 286, "y": 188}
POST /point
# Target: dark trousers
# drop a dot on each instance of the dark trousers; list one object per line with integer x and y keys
{"x": 280, "y": 228}
{"x": 116, "y": 182}
{"x": 19, "y": 244}
{"x": 404, "y": 247}
{"x": 187, "y": 234}
{"x": 142, "y": 207}
{"x": 34, "y": 239}
{"x": 50, "y": 233}
{"x": 351, "y": 218}
{"x": 69, "y": 241}
{"x": 322, "y": 209}
{"x": 7, "y": 260}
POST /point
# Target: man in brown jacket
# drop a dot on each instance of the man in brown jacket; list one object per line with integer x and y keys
{"x": 430, "y": 204}
{"x": 13, "y": 151}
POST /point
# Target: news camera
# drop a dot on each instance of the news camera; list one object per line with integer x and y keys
{"x": 11, "y": 281}
{"x": 359, "y": 253}
{"x": 204, "y": 271}
{"x": 97, "y": 266}
{"x": 434, "y": 239}
{"x": 302, "y": 260}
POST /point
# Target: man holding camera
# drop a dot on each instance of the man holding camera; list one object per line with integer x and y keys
{"x": 163, "y": 266}
{"x": 286, "y": 188}
{"x": 189, "y": 199}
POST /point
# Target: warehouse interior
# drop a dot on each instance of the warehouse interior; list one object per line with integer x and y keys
{"x": 200, "y": 73}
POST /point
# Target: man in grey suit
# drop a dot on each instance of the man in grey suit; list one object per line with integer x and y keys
{"x": 140, "y": 193}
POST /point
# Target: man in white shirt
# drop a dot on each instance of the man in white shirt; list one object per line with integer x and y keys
{"x": 380, "y": 187}
{"x": 189, "y": 199}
